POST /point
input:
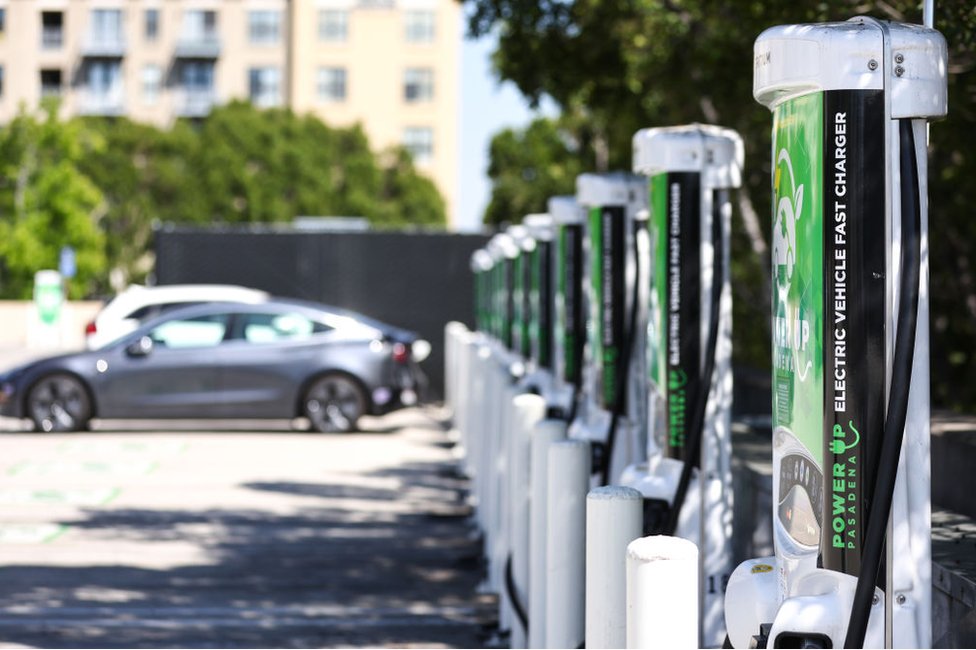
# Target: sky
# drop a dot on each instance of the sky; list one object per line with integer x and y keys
{"x": 487, "y": 107}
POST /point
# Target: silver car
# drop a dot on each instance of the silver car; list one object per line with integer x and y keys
{"x": 277, "y": 359}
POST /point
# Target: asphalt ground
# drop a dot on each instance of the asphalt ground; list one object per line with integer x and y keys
{"x": 148, "y": 534}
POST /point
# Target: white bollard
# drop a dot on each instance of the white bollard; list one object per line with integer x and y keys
{"x": 527, "y": 410}
{"x": 545, "y": 433}
{"x": 614, "y": 518}
{"x": 569, "y": 481}
{"x": 662, "y": 593}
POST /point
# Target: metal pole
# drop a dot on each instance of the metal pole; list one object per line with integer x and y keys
{"x": 614, "y": 518}
{"x": 569, "y": 481}
{"x": 545, "y": 433}
{"x": 662, "y": 593}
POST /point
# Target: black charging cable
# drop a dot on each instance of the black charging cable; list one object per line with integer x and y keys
{"x": 697, "y": 428}
{"x": 901, "y": 381}
{"x": 623, "y": 369}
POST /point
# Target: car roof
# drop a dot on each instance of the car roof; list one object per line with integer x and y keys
{"x": 136, "y": 296}
{"x": 314, "y": 310}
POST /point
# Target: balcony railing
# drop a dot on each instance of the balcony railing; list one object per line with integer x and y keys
{"x": 103, "y": 46}
{"x": 52, "y": 38}
{"x": 195, "y": 103}
{"x": 92, "y": 102}
{"x": 200, "y": 46}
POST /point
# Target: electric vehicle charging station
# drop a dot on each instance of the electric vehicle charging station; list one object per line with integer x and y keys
{"x": 851, "y": 477}
{"x": 612, "y": 412}
{"x": 686, "y": 480}
{"x": 569, "y": 327}
{"x": 539, "y": 300}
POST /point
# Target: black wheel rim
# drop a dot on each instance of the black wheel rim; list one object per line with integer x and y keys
{"x": 58, "y": 404}
{"x": 334, "y": 404}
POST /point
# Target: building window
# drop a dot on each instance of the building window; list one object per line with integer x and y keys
{"x": 52, "y": 29}
{"x": 333, "y": 25}
{"x": 197, "y": 77}
{"x": 106, "y": 26}
{"x": 152, "y": 24}
{"x": 418, "y": 85}
{"x": 331, "y": 84}
{"x": 3, "y": 20}
{"x": 264, "y": 86}
{"x": 419, "y": 26}
{"x": 152, "y": 83}
{"x": 419, "y": 141}
{"x": 199, "y": 25}
{"x": 264, "y": 27}
{"x": 50, "y": 83}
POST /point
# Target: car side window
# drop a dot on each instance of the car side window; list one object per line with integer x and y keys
{"x": 199, "y": 332}
{"x": 271, "y": 328}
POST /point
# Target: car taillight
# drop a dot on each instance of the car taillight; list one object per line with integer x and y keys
{"x": 401, "y": 353}
{"x": 90, "y": 328}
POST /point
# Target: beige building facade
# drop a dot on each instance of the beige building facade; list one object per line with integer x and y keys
{"x": 391, "y": 65}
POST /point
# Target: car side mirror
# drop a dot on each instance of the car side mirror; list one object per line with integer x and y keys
{"x": 140, "y": 347}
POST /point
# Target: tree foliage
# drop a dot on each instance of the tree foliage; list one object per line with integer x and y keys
{"x": 615, "y": 66}
{"x": 46, "y": 203}
{"x": 527, "y": 167}
{"x": 99, "y": 184}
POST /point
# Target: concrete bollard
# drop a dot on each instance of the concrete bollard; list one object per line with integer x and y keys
{"x": 545, "y": 433}
{"x": 527, "y": 411}
{"x": 568, "y": 483}
{"x": 614, "y": 518}
{"x": 662, "y": 593}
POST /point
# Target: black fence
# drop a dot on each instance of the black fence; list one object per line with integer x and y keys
{"x": 418, "y": 281}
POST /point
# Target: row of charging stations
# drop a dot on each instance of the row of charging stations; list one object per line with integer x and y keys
{"x": 594, "y": 397}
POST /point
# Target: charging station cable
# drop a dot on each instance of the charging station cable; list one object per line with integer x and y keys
{"x": 901, "y": 381}
{"x": 623, "y": 370}
{"x": 705, "y": 385}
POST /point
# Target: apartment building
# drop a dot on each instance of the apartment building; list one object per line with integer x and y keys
{"x": 391, "y": 65}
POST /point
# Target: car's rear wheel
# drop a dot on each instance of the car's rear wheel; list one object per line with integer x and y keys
{"x": 59, "y": 403}
{"x": 334, "y": 403}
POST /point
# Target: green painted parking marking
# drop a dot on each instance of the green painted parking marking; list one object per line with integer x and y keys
{"x": 67, "y": 468}
{"x": 160, "y": 447}
{"x": 44, "y": 533}
{"x": 75, "y": 496}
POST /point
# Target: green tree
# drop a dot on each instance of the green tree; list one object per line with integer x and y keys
{"x": 615, "y": 66}
{"x": 46, "y": 203}
{"x": 273, "y": 165}
{"x": 145, "y": 176}
{"x": 528, "y": 166}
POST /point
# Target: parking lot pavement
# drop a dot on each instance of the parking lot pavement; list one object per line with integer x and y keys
{"x": 194, "y": 537}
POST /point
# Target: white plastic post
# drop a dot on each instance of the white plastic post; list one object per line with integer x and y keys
{"x": 569, "y": 481}
{"x": 527, "y": 411}
{"x": 662, "y": 593}
{"x": 545, "y": 433}
{"x": 614, "y": 518}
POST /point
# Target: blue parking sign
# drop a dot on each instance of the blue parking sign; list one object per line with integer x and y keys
{"x": 66, "y": 265}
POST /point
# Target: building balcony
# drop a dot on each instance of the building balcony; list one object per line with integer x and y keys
{"x": 195, "y": 103}
{"x": 90, "y": 102}
{"x": 204, "y": 46}
{"x": 103, "y": 47}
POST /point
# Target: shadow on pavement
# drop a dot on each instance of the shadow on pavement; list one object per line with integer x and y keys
{"x": 354, "y": 566}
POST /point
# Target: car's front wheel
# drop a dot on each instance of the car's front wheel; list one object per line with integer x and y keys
{"x": 59, "y": 403}
{"x": 334, "y": 403}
